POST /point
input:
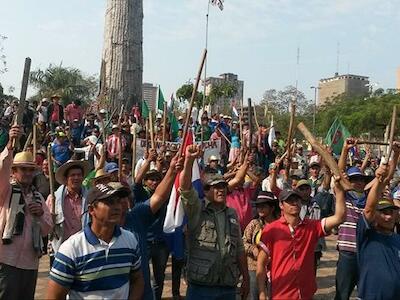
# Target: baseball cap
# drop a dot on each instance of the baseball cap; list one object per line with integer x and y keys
{"x": 103, "y": 192}
{"x": 111, "y": 167}
{"x": 152, "y": 174}
{"x": 286, "y": 194}
{"x": 315, "y": 163}
{"x": 211, "y": 179}
{"x": 302, "y": 182}
{"x": 354, "y": 171}
{"x": 386, "y": 203}
{"x": 265, "y": 197}
{"x": 102, "y": 111}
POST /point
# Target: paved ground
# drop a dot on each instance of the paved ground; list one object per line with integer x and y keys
{"x": 325, "y": 275}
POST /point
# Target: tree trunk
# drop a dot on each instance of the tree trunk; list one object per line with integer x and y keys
{"x": 122, "y": 63}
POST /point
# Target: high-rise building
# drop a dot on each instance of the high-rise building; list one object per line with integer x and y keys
{"x": 225, "y": 78}
{"x": 150, "y": 93}
{"x": 348, "y": 84}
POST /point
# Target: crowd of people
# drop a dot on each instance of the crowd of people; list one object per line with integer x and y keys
{"x": 254, "y": 226}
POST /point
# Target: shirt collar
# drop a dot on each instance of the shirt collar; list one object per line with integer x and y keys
{"x": 283, "y": 221}
{"x": 92, "y": 238}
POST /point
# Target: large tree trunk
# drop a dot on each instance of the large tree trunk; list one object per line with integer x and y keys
{"x": 122, "y": 63}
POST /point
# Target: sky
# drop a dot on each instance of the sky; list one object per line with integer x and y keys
{"x": 256, "y": 39}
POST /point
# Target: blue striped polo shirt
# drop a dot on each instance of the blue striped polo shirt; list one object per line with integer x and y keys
{"x": 92, "y": 268}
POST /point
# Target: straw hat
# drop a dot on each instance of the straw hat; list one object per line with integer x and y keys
{"x": 24, "y": 159}
{"x": 61, "y": 171}
{"x": 100, "y": 174}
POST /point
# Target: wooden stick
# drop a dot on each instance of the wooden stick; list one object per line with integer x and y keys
{"x": 134, "y": 156}
{"x": 28, "y": 141}
{"x": 241, "y": 123}
{"x": 392, "y": 131}
{"x": 146, "y": 121}
{"x": 255, "y": 117}
{"x": 290, "y": 135}
{"x": 51, "y": 180}
{"x": 120, "y": 143}
{"x": 372, "y": 143}
{"x": 224, "y": 136}
{"x": 164, "y": 123}
{"x": 250, "y": 123}
{"x": 196, "y": 86}
{"x": 34, "y": 141}
{"x": 153, "y": 145}
{"x": 21, "y": 105}
{"x": 329, "y": 161}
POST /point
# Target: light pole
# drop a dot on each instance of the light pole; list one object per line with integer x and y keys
{"x": 315, "y": 106}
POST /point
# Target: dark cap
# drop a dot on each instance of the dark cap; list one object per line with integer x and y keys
{"x": 103, "y": 192}
{"x": 265, "y": 197}
{"x": 386, "y": 203}
{"x": 211, "y": 179}
{"x": 286, "y": 194}
{"x": 152, "y": 174}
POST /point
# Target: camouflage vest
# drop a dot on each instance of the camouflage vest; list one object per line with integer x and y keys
{"x": 207, "y": 264}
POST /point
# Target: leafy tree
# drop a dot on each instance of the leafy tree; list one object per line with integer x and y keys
{"x": 69, "y": 82}
{"x": 279, "y": 101}
{"x": 184, "y": 93}
{"x": 3, "y": 63}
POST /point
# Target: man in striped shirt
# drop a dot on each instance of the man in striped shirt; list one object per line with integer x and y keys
{"x": 103, "y": 260}
{"x": 347, "y": 270}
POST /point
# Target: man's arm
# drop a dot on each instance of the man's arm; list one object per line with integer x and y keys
{"x": 348, "y": 144}
{"x": 136, "y": 285}
{"x": 241, "y": 173}
{"x": 340, "y": 208}
{"x": 262, "y": 261}
{"x": 56, "y": 291}
{"x": 161, "y": 194}
{"x": 145, "y": 166}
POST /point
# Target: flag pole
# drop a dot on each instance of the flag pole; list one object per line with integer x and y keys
{"x": 205, "y": 63}
{"x": 196, "y": 86}
{"x": 164, "y": 123}
{"x": 153, "y": 146}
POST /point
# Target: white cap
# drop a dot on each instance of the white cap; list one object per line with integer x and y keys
{"x": 159, "y": 116}
{"x": 180, "y": 118}
{"x": 114, "y": 126}
{"x": 102, "y": 111}
{"x": 212, "y": 158}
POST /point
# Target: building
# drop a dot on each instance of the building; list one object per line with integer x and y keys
{"x": 225, "y": 78}
{"x": 348, "y": 84}
{"x": 398, "y": 79}
{"x": 150, "y": 93}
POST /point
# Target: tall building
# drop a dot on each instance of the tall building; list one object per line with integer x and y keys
{"x": 225, "y": 78}
{"x": 351, "y": 85}
{"x": 150, "y": 93}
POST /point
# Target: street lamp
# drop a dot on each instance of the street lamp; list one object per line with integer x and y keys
{"x": 315, "y": 106}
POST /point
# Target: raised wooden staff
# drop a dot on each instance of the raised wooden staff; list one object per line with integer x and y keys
{"x": 392, "y": 132}
{"x": 255, "y": 117}
{"x": 290, "y": 135}
{"x": 21, "y": 105}
{"x": 249, "y": 114}
{"x": 196, "y": 86}
{"x": 153, "y": 144}
{"x": 372, "y": 143}
{"x": 51, "y": 181}
{"x": 327, "y": 157}
{"x": 34, "y": 140}
{"x": 224, "y": 136}
{"x": 164, "y": 123}
{"x": 120, "y": 143}
{"x": 133, "y": 155}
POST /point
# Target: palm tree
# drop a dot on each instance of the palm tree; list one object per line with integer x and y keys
{"x": 69, "y": 83}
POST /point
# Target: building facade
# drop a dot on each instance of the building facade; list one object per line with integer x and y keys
{"x": 348, "y": 84}
{"x": 225, "y": 78}
{"x": 150, "y": 93}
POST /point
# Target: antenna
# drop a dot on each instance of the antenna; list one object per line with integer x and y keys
{"x": 337, "y": 57}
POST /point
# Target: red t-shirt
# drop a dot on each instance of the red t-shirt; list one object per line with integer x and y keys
{"x": 240, "y": 200}
{"x": 292, "y": 257}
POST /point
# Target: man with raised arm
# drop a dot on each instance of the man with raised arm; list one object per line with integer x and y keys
{"x": 378, "y": 247}
{"x": 288, "y": 246}
{"x": 216, "y": 253}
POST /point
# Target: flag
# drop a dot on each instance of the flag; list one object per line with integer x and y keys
{"x": 175, "y": 213}
{"x": 145, "y": 110}
{"x": 160, "y": 101}
{"x": 170, "y": 103}
{"x": 174, "y": 125}
{"x": 219, "y": 3}
{"x": 271, "y": 135}
{"x": 234, "y": 110}
{"x": 336, "y": 136}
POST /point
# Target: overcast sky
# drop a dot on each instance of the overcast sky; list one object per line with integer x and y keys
{"x": 255, "y": 39}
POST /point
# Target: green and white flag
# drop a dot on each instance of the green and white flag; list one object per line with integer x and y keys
{"x": 145, "y": 110}
{"x": 160, "y": 101}
{"x": 336, "y": 136}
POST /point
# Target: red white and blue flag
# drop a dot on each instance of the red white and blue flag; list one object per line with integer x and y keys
{"x": 175, "y": 213}
{"x": 219, "y": 3}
